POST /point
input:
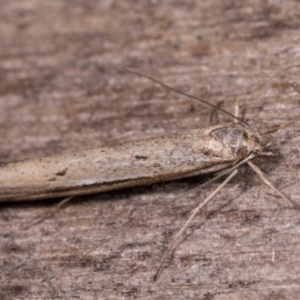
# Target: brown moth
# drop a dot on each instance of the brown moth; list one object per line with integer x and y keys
{"x": 217, "y": 149}
{"x": 147, "y": 161}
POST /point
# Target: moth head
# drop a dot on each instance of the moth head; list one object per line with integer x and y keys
{"x": 239, "y": 140}
{"x": 255, "y": 142}
{"x": 259, "y": 144}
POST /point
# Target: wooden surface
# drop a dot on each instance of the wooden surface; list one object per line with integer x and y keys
{"x": 62, "y": 89}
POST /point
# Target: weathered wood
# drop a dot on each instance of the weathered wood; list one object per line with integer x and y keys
{"x": 61, "y": 90}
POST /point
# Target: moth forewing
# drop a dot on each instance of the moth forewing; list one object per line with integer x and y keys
{"x": 188, "y": 153}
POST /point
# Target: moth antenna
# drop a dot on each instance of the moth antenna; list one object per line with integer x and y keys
{"x": 187, "y": 95}
{"x": 159, "y": 206}
{"x": 269, "y": 184}
{"x": 50, "y": 213}
{"x": 277, "y": 127}
{"x": 213, "y": 114}
{"x": 192, "y": 215}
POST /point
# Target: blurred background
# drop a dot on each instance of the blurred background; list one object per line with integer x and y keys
{"x": 63, "y": 88}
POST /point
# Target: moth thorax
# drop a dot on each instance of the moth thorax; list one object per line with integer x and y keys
{"x": 237, "y": 139}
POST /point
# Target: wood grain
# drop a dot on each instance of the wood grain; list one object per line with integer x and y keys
{"x": 62, "y": 90}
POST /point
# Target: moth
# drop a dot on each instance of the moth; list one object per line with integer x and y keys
{"x": 188, "y": 153}
{"x": 218, "y": 149}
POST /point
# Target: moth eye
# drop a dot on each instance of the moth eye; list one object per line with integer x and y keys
{"x": 245, "y": 135}
{"x": 257, "y": 140}
{"x": 243, "y": 152}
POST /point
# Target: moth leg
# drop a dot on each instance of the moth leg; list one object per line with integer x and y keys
{"x": 191, "y": 216}
{"x": 51, "y": 212}
{"x": 236, "y": 109}
{"x": 269, "y": 184}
